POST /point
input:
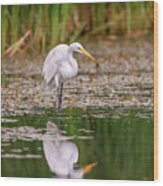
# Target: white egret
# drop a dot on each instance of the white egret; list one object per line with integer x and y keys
{"x": 60, "y": 66}
{"x": 61, "y": 154}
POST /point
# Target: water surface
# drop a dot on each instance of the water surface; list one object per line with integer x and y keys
{"x": 120, "y": 140}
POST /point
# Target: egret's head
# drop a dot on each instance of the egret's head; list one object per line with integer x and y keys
{"x": 77, "y": 47}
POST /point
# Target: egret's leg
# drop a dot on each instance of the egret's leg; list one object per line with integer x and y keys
{"x": 60, "y": 104}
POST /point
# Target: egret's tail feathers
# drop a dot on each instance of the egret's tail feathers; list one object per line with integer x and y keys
{"x": 53, "y": 130}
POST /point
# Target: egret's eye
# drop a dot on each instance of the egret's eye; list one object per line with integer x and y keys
{"x": 79, "y": 49}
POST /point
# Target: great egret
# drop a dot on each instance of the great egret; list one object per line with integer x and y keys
{"x": 61, "y": 154}
{"x": 60, "y": 66}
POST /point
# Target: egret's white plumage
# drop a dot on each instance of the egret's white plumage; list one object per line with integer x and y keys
{"x": 53, "y": 62}
{"x": 60, "y": 65}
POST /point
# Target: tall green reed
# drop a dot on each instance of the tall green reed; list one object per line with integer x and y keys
{"x": 51, "y": 24}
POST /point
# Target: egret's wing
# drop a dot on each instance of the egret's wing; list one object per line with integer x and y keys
{"x": 69, "y": 151}
{"x": 52, "y": 155}
{"x": 53, "y": 61}
{"x": 60, "y": 157}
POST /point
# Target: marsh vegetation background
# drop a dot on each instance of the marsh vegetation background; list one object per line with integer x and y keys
{"x": 107, "y": 108}
{"x": 56, "y": 23}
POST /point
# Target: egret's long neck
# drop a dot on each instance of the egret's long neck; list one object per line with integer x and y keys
{"x": 70, "y": 56}
{"x": 72, "y": 62}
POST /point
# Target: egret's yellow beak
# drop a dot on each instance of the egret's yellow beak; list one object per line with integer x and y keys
{"x": 89, "y": 167}
{"x": 87, "y": 54}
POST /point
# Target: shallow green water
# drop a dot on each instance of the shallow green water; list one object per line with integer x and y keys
{"x": 120, "y": 140}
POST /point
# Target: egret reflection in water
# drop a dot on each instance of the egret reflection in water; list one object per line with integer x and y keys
{"x": 62, "y": 155}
